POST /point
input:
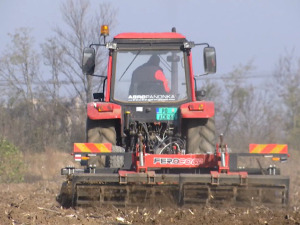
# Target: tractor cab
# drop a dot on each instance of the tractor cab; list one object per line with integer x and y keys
{"x": 149, "y": 67}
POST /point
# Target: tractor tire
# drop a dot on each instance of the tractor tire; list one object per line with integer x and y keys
{"x": 116, "y": 161}
{"x": 200, "y": 135}
{"x": 100, "y": 131}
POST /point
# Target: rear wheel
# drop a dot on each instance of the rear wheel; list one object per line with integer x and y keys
{"x": 100, "y": 131}
{"x": 200, "y": 134}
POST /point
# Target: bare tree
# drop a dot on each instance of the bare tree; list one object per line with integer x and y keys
{"x": 52, "y": 55}
{"x": 234, "y": 94}
{"x": 81, "y": 28}
{"x": 245, "y": 111}
{"x": 286, "y": 85}
{"x": 35, "y": 116}
{"x": 257, "y": 120}
{"x": 19, "y": 69}
{"x": 19, "y": 65}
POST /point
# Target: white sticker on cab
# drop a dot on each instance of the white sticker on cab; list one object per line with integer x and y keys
{"x": 139, "y": 109}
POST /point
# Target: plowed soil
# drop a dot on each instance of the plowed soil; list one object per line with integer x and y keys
{"x": 34, "y": 202}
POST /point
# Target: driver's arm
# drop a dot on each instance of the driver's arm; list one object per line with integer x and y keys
{"x": 159, "y": 75}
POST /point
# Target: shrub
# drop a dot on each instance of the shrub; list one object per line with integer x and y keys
{"x": 11, "y": 163}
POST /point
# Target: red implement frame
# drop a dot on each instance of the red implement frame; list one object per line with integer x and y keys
{"x": 218, "y": 162}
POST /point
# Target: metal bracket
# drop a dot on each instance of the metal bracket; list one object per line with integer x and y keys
{"x": 123, "y": 180}
{"x": 111, "y": 45}
{"x": 122, "y": 177}
{"x": 214, "y": 178}
{"x": 188, "y": 45}
{"x": 68, "y": 170}
{"x": 243, "y": 178}
{"x": 151, "y": 177}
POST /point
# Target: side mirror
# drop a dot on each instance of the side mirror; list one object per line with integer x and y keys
{"x": 88, "y": 61}
{"x": 210, "y": 63}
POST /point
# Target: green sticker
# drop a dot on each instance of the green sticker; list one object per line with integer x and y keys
{"x": 166, "y": 113}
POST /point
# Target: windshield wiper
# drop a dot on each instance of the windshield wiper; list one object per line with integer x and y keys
{"x": 165, "y": 63}
{"x": 130, "y": 64}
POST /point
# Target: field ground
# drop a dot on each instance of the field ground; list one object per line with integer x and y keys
{"x": 34, "y": 202}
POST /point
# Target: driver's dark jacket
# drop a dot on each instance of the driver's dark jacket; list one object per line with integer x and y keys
{"x": 143, "y": 81}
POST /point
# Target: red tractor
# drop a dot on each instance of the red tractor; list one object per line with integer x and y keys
{"x": 151, "y": 136}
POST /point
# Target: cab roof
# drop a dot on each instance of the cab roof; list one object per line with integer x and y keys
{"x": 165, "y": 35}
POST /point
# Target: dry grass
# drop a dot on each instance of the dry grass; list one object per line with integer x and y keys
{"x": 46, "y": 165}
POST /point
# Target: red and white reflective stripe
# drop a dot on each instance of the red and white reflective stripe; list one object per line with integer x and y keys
{"x": 77, "y": 157}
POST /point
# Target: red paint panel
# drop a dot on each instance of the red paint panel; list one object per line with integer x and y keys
{"x": 180, "y": 161}
{"x": 107, "y": 94}
{"x": 166, "y": 35}
{"x": 207, "y": 112}
{"x": 94, "y": 114}
{"x": 192, "y": 81}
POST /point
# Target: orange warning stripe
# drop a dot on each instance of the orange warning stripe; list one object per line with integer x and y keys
{"x": 268, "y": 149}
{"x": 92, "y": 147}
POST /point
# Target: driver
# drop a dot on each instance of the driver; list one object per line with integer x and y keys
{"x": 149, "y": 78}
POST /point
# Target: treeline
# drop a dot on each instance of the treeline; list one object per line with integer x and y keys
{"x": 44, "y": 92}
{"x": 264, "y": 110}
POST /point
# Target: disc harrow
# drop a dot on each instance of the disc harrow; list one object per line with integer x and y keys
{"x": 181, "y": 190}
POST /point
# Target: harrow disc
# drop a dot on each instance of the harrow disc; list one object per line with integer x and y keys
{"x": 180, "y": 189}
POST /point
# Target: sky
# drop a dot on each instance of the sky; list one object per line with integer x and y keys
{"x": 260, "y": 31}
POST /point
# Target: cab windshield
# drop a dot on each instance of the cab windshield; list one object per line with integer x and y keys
{"x": 150, "y": 76}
